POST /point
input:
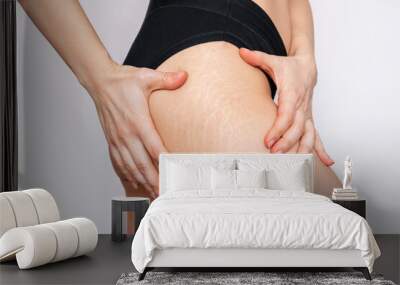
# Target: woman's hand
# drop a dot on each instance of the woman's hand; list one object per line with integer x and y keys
{"x": 120, "y": 92}
{"x": 295, "y": 78}
{"x": 121, "y": 101}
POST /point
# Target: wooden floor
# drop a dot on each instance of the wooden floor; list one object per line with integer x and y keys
{"x": 110, "y": 260}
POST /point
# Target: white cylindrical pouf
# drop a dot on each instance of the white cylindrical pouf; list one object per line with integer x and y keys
{"x": 45, "y": 205}
{"x": 40, "y": 244}
{"x": 33, "y": 246}
{"x": 23, "y": 208}
{"x": 31, "y": 233}
{"x": 87, "y": 234}
{"x": 7, "y": 218}
{"x": 67, "y": 239}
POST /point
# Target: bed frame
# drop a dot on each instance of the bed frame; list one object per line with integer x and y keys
{"x": 248, "y": 259}
{"x": 234, "y": 259}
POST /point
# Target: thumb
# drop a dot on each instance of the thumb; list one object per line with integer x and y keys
{"x": 157, "y": 80}
{"x": 262, "y": 60}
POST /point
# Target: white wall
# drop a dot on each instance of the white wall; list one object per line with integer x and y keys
{"x": 357, "y": 98}
{"x": 63, "y": 149}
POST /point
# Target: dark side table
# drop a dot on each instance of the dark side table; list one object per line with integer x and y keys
{"x": 357, "y": 206}
{"x": 137, "y": 205}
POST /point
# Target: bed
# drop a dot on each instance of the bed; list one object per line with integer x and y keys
{"x": 247, "y": 211}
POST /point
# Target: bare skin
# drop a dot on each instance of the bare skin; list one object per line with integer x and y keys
{"x": 121, "y": 93}
{"x": 226, "y": 104}
{"x": 231, "y": 113}
{"x": 279, "y": 12}
{"x": 295, "y": 77}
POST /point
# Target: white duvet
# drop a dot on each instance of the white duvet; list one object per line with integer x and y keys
{"x": 250, "y": 218}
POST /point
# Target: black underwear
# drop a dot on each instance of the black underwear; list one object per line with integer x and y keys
{"x": 173, "y": 25}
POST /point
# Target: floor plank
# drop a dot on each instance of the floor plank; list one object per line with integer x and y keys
{"x": 110, "y": 260}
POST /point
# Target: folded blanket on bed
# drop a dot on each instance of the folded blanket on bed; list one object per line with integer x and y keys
{"x": 250, "y": 218}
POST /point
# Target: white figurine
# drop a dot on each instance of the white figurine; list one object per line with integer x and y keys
{"x": 347, "y": 174}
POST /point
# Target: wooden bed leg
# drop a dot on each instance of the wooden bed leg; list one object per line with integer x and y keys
{"x": 364, "y": 271}
{"x": 142, "y": 275}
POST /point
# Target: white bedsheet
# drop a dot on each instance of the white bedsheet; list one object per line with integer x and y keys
{"x": 250, "y": 218}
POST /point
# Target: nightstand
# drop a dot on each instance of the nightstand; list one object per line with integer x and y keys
{"x": 138, "y": 205}
{"x": 357, "y": 206}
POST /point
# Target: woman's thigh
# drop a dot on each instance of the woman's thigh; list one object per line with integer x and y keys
{"x": 225, "y": 106}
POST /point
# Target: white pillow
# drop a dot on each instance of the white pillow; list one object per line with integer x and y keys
{"x": 223, "y": 179}
{"x": 251, "y": 178}
{"x": 282, "y": 173}
{"x": 289, "y": 178}
{"x": 187, "y": 177}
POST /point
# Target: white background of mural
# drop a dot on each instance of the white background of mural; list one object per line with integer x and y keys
{"x": 356, "y": 104}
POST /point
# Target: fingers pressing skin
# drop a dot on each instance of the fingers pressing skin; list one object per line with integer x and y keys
{"x": 125, "y": 176}
{"x": 289, "y": 99}
{"x": 261, "y": 60}
{"x": 292, "y": 136}
{"x": 124, "y": 169}
{"x": 308, "y": 138}
{"x": 144, "y": 165}
{"x": 119, "y": 150}
{"x": 150, "y": 141}
{"x": 295, "y": 78}
{"x": 320, "y": 150}
{"x": 150, "y": 137}
{"x": 152, "y": 144}
{"x": 283, "y": 121}
{"x": 131, "y": 192}
{"x": 129, "y": 165}
{"x": 130, "y": 171}
{"x": 122, "y": 106}
{"x": 156, "y": 80}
